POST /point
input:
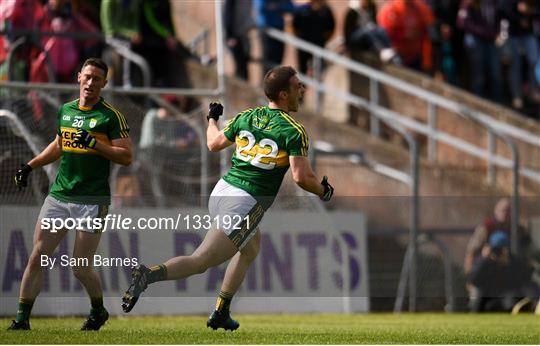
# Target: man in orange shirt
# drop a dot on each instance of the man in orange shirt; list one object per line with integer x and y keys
{"x": 407, "y": 23}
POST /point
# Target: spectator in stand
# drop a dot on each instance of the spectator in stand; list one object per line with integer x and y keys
{"x": 408, "y": 24}
{"x": 479, "y": 19}
{"x": 520, "y": 15}
{"x": 448, "y": 40}
{"x": 269, "y": 14}
{"x": 313, "y": 22}
{"x": 360, "y": 14}
{"x": 66, "y": 54}
{"x": 238, "y": 22}
{"x": 88, "y": 9}
{"x": 165, "y": 54}
{"x": 121, "y": 20}
{"x": 500, "y": 279}
{"x": 363, "y": 34}
{"x": 17, "y": 15}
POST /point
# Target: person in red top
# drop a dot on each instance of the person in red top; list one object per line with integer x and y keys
{"x": 15, "y": 18}
{"x": 407, "y": 23}
{"x": 66, "y": 54}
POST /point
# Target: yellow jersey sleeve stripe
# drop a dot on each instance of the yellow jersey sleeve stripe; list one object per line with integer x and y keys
{"x": 120, "y": 116}
{"x": 298, "y": 124}
{"x": 121, "y": 119}
{"x": 229, "y": 123}
{"x": 123, "y": 124}
{"x": 302, "y": 136}
{"x": 299, "y": 128}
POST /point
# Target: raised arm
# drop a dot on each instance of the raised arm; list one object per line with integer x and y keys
{"x": 215, "y": 138}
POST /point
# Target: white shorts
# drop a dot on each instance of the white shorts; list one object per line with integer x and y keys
{"x": 78, "y": 214}
{"x": 229, "y": 203}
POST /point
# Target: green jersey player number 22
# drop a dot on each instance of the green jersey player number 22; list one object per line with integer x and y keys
{"x": 261, "y": 159}
{"x": 268, "y": 142}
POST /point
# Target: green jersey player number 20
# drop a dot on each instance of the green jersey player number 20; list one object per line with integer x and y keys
{"x": 91, "y": 133}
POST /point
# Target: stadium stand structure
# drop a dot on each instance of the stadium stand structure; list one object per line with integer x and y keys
{"x": 454, "y": 188}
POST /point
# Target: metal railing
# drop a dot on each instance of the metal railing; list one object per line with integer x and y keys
{"x": 19, "y": 43}
{"x": 33, "y": 143}
{"x": 412, "y": 180}
{"x": 199, "y": 44}
{"x": 514, "y": 219}
{"x": 433, "y": 101}
{"x": 123, "y": 48}
{"x": 494, "y": 128}
{"x": 134, "y": 91}
{"x": 448, "y": 275}
{"x": 322, "y": 148}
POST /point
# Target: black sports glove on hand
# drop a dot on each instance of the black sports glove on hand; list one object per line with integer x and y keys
{"x": 83, "y": 137}
{"x": 21, "y": 177}
{"x": 215, "y": 110}
{"x": 328, "y": 189}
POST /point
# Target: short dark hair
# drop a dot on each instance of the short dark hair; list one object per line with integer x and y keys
{"x": 97, "y": 62}
{"x": 277, "y": 80}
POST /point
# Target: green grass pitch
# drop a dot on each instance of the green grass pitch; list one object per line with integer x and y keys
{"x": 290, "y": 329}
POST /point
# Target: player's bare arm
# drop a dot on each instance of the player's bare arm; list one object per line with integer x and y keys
{"x": 305, "y": 178}
{"x": 120, "y": 151}
{"x": 215, "y": 139}
{"x": 303, "y": 175}
{"x": 50, "y": 154}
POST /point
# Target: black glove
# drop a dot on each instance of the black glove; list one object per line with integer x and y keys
{"x": 328, "y": 189}
{"x": 83, "y": 137}
{"x": 21, "y": 177}
{"x": 215, "y": 110}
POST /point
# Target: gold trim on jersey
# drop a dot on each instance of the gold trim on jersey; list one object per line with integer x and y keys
{"x": 82, "y": 108}
{"x": 124, "y": 128}
{"x": 281, "y": 159}
{"x": 68, "y": 144}
{"x": 300, "y": 129}
{"x": 230, "y": 122}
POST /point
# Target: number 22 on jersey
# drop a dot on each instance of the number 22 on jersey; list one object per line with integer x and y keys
{"x": 262, "y": 154}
